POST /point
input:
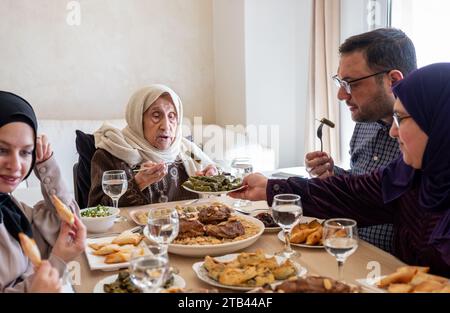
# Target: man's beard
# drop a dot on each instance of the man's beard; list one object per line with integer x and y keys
{"x": 380, "y": 107}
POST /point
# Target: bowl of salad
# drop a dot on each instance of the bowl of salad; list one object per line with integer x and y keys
{"x": 99, "y": 219}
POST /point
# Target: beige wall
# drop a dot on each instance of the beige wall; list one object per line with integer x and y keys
{"x": 89, "y": 71}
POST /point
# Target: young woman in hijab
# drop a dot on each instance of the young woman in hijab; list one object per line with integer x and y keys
{"x": 21, "y": 150}
{"x": 413, "y": 192}
{"x": 153, "y": 141}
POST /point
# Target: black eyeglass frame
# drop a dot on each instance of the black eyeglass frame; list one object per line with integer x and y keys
{"x": 346, "y": 84}
{"x": 398, "y": 119}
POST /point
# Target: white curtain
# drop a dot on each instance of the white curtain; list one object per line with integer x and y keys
{"x": 324, "y": 61}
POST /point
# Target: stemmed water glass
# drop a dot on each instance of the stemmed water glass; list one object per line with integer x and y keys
{"x": 114, "y": 184}
{"x": 286, "y": 211}
{"x": 149, "y": 272}
{"x": 163, "y": 225}
{"x": 242, "y": 166}
{"x": 340, "y": 238}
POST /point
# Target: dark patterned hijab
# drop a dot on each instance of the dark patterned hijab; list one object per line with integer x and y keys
{"x": 425, "y": 94}
{"x": 15, "y": 109}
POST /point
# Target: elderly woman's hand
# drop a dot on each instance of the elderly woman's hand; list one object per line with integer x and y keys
{"x": 150, "y": 173}
{"x": 210, "y": 170}
{"x": 43, "y": 149}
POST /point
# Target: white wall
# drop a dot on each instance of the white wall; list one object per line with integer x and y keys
{"x": 261, "y": 67}
{"x": 277, "y": 51}
{"x": 90, "y": 71}
{"x": 229, "y": 61}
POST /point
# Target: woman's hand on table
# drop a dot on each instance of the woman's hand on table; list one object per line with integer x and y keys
{"x": 254, "y": 188}
{"x": 71, "y": 240}
{"x": 150, "y": 173}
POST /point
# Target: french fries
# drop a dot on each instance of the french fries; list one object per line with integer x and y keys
{"x": 307, "y": 233}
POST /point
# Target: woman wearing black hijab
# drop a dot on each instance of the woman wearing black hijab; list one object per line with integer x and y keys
{"x": 21, "y": 150}
{"x": 413, "y": 192}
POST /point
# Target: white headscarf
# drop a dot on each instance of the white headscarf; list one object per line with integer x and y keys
{"x": 130, "y": 145}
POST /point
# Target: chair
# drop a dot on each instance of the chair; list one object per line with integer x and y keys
{"x": 85, "y": 145}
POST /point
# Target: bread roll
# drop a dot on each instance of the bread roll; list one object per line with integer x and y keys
{"x": 63, "y": 211}
{"x": 30, "y": 249}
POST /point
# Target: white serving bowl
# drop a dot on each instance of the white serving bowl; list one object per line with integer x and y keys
{"x": 100, "y": 224}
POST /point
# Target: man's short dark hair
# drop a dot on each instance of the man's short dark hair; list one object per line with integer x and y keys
{"x": 384, "y": 49}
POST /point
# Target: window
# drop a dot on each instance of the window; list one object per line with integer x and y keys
{"x": 427, "y": 24}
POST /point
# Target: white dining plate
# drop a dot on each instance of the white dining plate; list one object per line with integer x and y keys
{"x": 302, "y": 245}
{"x": 202, "y": 273}
{"x": 216, "y": 249}
{"x": 97, "y": 262}
{"x": 178, "y": 282}
{"x": 213, "y": 193}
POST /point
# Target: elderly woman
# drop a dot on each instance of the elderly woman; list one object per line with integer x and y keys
{"x": 152, "y": 142}
{"x": 20, "y": 151}
{"x": 413, "y": 193}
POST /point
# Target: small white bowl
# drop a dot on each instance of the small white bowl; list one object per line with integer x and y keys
{"x": 100, "y": 224}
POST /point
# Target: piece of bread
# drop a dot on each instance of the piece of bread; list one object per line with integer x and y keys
{"x": 127, "y": 238}
{"x": 63, "y": 211}
{"x": 30, "y": 249}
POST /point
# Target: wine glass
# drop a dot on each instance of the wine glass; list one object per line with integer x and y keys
{"x": 114, "y": 184}
{"x": 163, "y": 225}
{"x": 148, "y": 272}
{"x": 242, "y": 166}
{"x": 286, "y": 211}
{"x": 340, "y": 238}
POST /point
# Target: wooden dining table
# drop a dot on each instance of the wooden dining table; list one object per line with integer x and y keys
{"x": 367, "y": 260}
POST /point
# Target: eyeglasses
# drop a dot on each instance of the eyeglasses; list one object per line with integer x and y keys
{"x": 398, "y": 119}
{"x": 346, "y": 84}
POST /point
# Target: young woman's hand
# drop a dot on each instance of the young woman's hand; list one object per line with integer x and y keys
{"x": 43, "y": 149}
{"x": 71, "y": 240}
{"x": 46, "y": 279}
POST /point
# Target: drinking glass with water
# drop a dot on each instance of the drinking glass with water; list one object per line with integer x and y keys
{"x": 148, "y": 272}
{"x": 242, "y": 166}
{"x": 163, "y": 225}
{"x": 114, "y": 184}
{"x": 340, "y": 237}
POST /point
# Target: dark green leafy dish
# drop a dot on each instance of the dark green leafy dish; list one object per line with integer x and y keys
{"x": 123, "y": 284}
{"x": 212, "y": 183}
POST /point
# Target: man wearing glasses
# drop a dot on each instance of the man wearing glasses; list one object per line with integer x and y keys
{"x": 370, "y": 64}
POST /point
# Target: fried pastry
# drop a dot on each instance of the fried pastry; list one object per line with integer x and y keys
{"x": 107, "y": 249}
{"x": 127, "y": 237}
{"x": 63, "y": 211}
{"x": 300, "y": 236}
{"x": 30, "y": 249}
